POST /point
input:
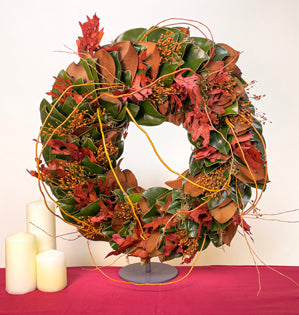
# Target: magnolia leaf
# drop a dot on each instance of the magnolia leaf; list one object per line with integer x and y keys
{"x": 133, "y": 34}
{"x": 152, "y": 213}
{"x": 127, "y": 78}
{"x": 217, "y": 141}
{"x": 191, "y": 228}
{"x": 154, "y": 193}
{"x": 175, "y": 206}
{"x": 114, "y": 55}
{"x": 216, "y": 226}
{"x": 77, "y": 71}
{"x": 134, "y": 198}
{"x": 228, "y": 233}
{"x": 195, "y": 165}
{"x": 204, "y": 43}
{"x": 134, "y": 109}
{"x": 152, "y": 58}
{"x": 88, "y": 143}
{"x": 68, "y": 106}
{"x": 223, "y": 214}
{"x": 166, "y": 68}
{"x": 213, "y": 203}
{"x": 215, "y": 239}
{"x": 108, "y": 231}
{"x": 128, "y": 57}
{"x": 220, "y": 53}
{"x": 111, "y": 104}
{"x": 105, "y": 66}
{"x": 194, "y": 56}
{"x": 89, "y": 211}
{"x": 231, "y": 109}
{"x": 92, "y": 167}
{"x": 148, "y": 115}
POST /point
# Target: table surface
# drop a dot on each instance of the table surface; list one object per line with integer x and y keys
{"x": 208, "y": 290}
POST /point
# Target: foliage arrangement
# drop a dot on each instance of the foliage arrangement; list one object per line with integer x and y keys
{"x": 149, "y": 77}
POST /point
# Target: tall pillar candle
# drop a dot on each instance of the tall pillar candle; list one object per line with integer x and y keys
{"x": 41, "y": 223}
{"x": 20, "y": 267}
{"x": 51, "y": 271}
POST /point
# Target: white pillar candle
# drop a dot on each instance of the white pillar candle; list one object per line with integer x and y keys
{"x": 41, "y": 223}
{"x": 51, "y": 271}
{"x": 20, "y": 268}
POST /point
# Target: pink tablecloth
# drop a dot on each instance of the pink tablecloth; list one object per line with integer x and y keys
{"x": 208, "y": 290}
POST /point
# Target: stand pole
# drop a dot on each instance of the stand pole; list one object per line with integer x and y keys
{"x": 151, "y": 273}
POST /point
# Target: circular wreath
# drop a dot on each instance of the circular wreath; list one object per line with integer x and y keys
{"x": 148, "y": 77}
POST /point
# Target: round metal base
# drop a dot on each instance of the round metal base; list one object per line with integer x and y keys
{"x": 151, "y": 273}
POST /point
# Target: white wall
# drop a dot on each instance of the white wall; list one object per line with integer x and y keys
{"x": 266, "y": 32}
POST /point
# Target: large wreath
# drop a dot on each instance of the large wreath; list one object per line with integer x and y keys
{"x": 152, "y": 76}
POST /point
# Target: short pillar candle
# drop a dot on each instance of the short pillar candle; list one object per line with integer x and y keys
{"x": 41, "y": 223}
{"x": 51, "y": 271}
{"x": 20, "y": 268}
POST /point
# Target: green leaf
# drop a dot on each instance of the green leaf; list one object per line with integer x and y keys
{"x": 91, "y": 167}
{"x": 214, "y": 237}
{"x": 69, "y": 105}
{"x": 134, "y": 109}
{"x": 220, "y": 53}
{"x": 154, "y": 193}
{"x": 91, "y": 133}
{"x": 217, "y": 141}
{"x": 200, "y": 242}
{"x": 213, "y": 203}
{"x": 134, "y": 35}
{"x": 114, "y": 55}
{"x": 208, "y": 170}
{"x": 191, "y": 228}
{"x": 45, "y": 108}
{"x": 127, "y": 78}
{"x": 108, "y": 231}
{"x": 152, "y": 213}
{"x": 90, "y": 211}
{"x": 91, "y": 66}
{"x": 194, "y": 57}
{"x": 134, "y": 198}
{"x": 112, "y": 108}
{"x": 231, "y": 109}
{"x": 203, "y": 43}
{"x": 166, "y": 68}
{"x": 195, "y": 166}
{"x": 88, "y": 143}
{"x": 244, "y": 193}
{"x": 175, "y": 206}
{"x": 216, "y": 226}
{"x": 148, "y": 115}
{"x": 176, "y": 194}
{"x": 119, "y": 194}
{"x": 122, "y": 114}
{"x": 127, "y": 229}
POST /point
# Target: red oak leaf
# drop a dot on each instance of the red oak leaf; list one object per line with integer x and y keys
{"x": 191, "y": 86}
{"x": 202, "y": 216}
{"x": 252, "y": 155}
{"x": 171, "y": 242}
{"x": 198, "y": 125}
{"x": 62, "y": 85}
{"x": 84, "y": 195}
{"x": 90, "y": 42}
{"x": 129, "y": 242}
{"x": 210, "y": 153}
{"x": 159, "y": 221}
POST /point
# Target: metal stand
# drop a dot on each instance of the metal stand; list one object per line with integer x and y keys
{"x": 151, "y": 273}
